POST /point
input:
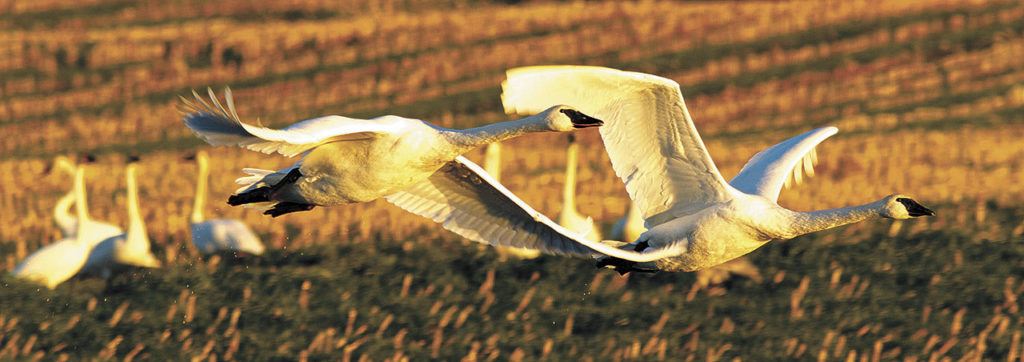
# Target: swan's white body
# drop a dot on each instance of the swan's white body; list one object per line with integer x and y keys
{"x": 492, "y": 164}
{"x": 210, "y": 236}
{"x": 569, "y": 217}
{"x": 67, "y": 222}
{"x": 61, "y": 260}
{"x": 696, "y": 220}
{"x": 347, "y": 160}
{"x": 131, "y": 248}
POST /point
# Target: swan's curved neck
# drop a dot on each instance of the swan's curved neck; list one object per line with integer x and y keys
{"x": 136, "y": 226}
{"x": 569, "y": 189}
{"x": 62, "y": 210}
{"x": 492, "y": 160}
{"x": 468, "y": 139}
{"x": 81, "y": 206}
{"x": 801, "y": 223}
{"x": 201, "y": 184}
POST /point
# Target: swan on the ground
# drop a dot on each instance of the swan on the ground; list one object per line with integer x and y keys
{"x": 55, "y": 263}
{"x": 569, "y": 217}
{"x": 696, "y": 220}
{"x": 131, "y": 248}
{"x": 210, "y": 236}
{"x": 630, "y": 226}
{"x": 347, "y": 160}
{"x": 66, "y": 220}
{"x": 492, "y": 164}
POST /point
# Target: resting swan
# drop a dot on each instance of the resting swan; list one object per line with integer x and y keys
{"x": 492, "y": 164}
{"x": 66, "y": 221}
{"x": 55, "y": 263}
{"x": 696, "y": 220}
{"x": 131, "y": 248}
{"x": 569, "y": 217}
{"x": 209, "y": 236}
{"x": 347, "y": 160}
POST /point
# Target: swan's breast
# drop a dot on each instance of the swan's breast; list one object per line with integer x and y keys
{"x": 716, "y": 235}
{"x": 367, "y": 169}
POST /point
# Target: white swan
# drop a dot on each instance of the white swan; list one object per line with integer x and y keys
{"x": 696, "y": 219}
{"x": 492, "y": 164}
{"x": 630, "y": 226}
{"x": 348, "y": 160}
{"x": 55, "y": 263}
{"x": 131, "y": 248}
{"x": 66, "y": 221}
{"x": 568, "y": 216}
{"x": 209, "y": 236}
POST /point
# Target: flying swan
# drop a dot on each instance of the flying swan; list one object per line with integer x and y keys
{"x": 347, "y": 160}
{"x": 696, "y": 220}
{"x": 492, "y": 164}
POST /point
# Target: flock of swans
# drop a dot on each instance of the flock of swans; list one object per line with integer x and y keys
{"x": 684, "y": 215}
{"x": 94, "y": 247}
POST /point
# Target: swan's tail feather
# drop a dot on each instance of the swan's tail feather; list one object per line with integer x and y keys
{"x": 213, "y": 122}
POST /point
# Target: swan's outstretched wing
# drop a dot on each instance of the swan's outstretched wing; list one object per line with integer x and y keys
{"x": 220, "y": 125}
{"x": 648, "y": 133}
{"x": 769, "y": 170}
{"x": 464, "y": 199}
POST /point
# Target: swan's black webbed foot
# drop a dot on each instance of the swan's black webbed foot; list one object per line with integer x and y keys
{"x": 263, "y": 193}
{"x": 623, "y": 266}
{"x": 259, "y": 194}
{"x": 282, "y": 208}
{"x": 580, "y": 120}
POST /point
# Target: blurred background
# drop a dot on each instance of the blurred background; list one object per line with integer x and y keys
{"x": 928, "y": 96}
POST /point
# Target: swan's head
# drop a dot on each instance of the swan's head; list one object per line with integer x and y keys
{"x": 903, "y": 207}
{"x": 62, "y": 163}
{"x": 565, "y": 118}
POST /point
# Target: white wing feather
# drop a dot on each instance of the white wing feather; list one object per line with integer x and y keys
{"x": 220, "y": 125}
{"x": 464, "y": 199}
{"x": 771, "y": 169}
{"x": 648, "y": 133}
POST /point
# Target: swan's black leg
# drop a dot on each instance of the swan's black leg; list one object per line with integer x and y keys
{"x": 282, "y": 208}
{"x": 623, "y": 266}
{"x": 263, "y": 193}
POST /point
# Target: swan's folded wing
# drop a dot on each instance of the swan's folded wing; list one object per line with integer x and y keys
{"x": 648, "y": 133}
{"x": 220, "y": 125}
{"x": 464, "y": 199}
{"x": 767, "y": 172}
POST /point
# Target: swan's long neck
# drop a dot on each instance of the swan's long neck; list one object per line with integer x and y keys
{"x": 569, "y": 189}
{"x": 492, "y": 160}
{"x": 201, "y": 184}
{"x": 468, "y": 139}
{"x": 81, "y": 204}
{"x": 136, "y": 226}
{"x": 62, "y": 210}
{"x": 808, "y": 222}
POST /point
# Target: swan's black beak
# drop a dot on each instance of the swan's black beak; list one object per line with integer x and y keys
{"x": 580, "y": 120}
{"x": 915, "y": 209}
{"x": 133, "y": 158}
{"x": 190, "y": 157}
